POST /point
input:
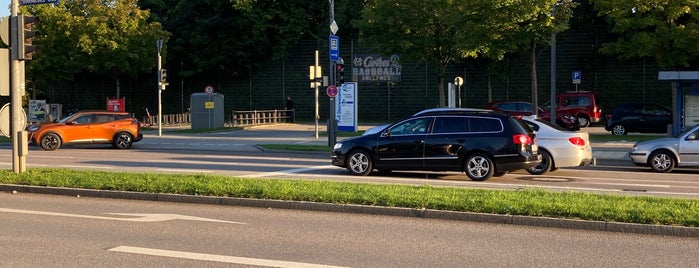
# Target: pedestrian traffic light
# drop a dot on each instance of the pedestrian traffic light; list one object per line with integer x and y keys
{"x": 339, "y": 74}
{"x": 25, "y": 29}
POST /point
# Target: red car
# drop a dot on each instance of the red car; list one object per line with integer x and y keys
{"x": 523, "y": 108}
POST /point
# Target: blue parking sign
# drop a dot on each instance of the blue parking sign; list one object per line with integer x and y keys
{"x": 334, "y": 47}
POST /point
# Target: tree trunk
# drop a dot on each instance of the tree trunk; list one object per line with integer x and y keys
{"x": 118, "y": 88}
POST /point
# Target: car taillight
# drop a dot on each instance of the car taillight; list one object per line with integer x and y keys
{"x": 523, "y": 139}
{"x": 577, "y": 141}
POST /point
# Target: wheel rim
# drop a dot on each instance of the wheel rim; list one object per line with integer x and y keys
{"x": 49, "y": 142}
{"x": 359, "y": 163}
{"x": 619, "y": 130}
{"x": 123, "y": 140}
{"x": 545, "y": 163}
{"x": 662, "y": 161}
{"x": 478, "y": 167}
{"x": 583, "y": 122}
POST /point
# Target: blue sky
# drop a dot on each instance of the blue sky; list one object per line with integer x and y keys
{"x": 4, "y": 8}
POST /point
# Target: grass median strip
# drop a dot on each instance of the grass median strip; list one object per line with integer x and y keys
{"x": 570, "y": 205}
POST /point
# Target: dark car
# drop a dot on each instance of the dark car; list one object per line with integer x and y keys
{"x": 638, "y": 117}
{"x": 523, "y": 108}
{"x": 480, "y": 143}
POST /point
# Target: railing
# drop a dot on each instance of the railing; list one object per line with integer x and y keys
{"x": 261, "y": 117}
{"x": 237, "y": 119}
{"x": 168, "y": 119}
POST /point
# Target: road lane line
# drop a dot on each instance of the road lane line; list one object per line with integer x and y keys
{"x": 136, "y": 217}
{"x": 286, "y": 172}
{"x": 216, "y": 258}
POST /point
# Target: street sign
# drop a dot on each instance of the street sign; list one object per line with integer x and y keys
{"x": 334, "y": 47}
{"x": 577, "y": 77}
{"x": 331, "y": 91}
{"x": 37, "y": 2}
{"x": 209, "y": 89}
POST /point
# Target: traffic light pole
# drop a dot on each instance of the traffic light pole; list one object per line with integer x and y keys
{"x": 19, "y": 135}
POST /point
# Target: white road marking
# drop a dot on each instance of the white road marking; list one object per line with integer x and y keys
{"x": 137, "y": 217}
{"x": 216, "y": 258}
{"x": 286, "y": 172}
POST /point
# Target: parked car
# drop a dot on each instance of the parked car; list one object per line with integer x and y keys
{"x": 664, "y": 154}
{"x": 87, "y": 127}
{"x": 558, "y": 147}
{"x": 523, "y": 108}
{"x": 638, "y": 117}
{"x": 584, "y": 105}
{"x": 480, "y": 143}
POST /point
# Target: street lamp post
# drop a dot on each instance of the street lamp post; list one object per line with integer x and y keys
{"x": 159, "y": 44}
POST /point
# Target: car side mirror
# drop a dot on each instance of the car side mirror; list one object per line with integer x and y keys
{"x": 386, "y": 133}
{"x": 691, "y": 137}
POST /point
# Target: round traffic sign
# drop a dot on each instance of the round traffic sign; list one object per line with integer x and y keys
{"x": 331, "y": 91}
{"x": 209, "y": 89}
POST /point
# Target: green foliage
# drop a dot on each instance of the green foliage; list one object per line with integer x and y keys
{"x": 665, "y": 30}
{"x": 443, "y": 31}
{"x": 571, "y": 205}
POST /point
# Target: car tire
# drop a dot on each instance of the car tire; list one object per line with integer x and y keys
{"x": 359, "y": 163}
{"x": 479, "y": 167}
{"x": 122, "y": 140}
{"x": 545, "y": 166}
{"x": 50, "y": 142}
{"x": 619, "y": 129}
{"x": 662, "y": 161}
{"x": 583, "y": 121}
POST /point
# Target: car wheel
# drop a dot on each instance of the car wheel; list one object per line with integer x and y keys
{"x": 50, "y": 142}
{"x": 583, "y": 121}
{"x": 122, "y": 140}
{"x": 661, "y": 161}
{"x": 359, "y": 163}
{"x": 618, "y": 130}
{"x": 479, "y": 167}
{"x": 545, "y": 165}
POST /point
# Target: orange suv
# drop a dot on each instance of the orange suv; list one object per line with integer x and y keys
{"x": 87, "y": 127}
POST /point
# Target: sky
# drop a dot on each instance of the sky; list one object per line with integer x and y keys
{"x": 4, "y": 8}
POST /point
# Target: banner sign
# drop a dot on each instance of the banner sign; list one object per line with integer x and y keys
{"x": 376, "y": 68}
{"x": 346, "y": 107}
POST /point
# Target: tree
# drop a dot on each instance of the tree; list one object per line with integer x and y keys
{"x": 110, "y": 38}
{"x": 442, "y": 31}
{"x": 436, "y": 31}
{"x": 665, "y": 30}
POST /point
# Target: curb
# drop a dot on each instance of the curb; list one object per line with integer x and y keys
{"x": 680, "y": 231}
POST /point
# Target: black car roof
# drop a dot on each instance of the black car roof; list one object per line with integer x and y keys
{"x": 456, "y": 111}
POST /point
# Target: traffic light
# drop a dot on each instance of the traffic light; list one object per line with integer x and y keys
{"x": 162, "y": 77}
{"x": 339, "y": 74}
{"x": 24, "y": 28}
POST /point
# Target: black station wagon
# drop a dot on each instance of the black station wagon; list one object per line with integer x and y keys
{"x": 481, "y": 143}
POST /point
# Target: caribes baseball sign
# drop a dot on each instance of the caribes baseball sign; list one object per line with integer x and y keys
{"x": 376, "y": 68}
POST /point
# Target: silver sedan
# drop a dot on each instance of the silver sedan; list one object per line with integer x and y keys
{"x": 558, "y": 147}
{"x": 664, "y": 154}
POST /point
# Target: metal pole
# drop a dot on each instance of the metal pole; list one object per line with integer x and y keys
{"x": 553, "y": 78}
{"x": 332, "y": 126}
{"x": 159, "y": 43}
{"x": 19, "y": 136}
{"x": 316, "y": 115}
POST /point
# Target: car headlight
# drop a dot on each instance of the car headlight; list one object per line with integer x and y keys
{"x": 33, "y": 128}
{"x": 569, "y": 117}
{"x": 337, "y": 146}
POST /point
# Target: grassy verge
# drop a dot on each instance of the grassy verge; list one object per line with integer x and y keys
{"x": 572, "y": 205}
{"x": 628, "y": 138}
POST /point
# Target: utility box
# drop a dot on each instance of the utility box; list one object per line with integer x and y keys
{"x": 207, "y": 111}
